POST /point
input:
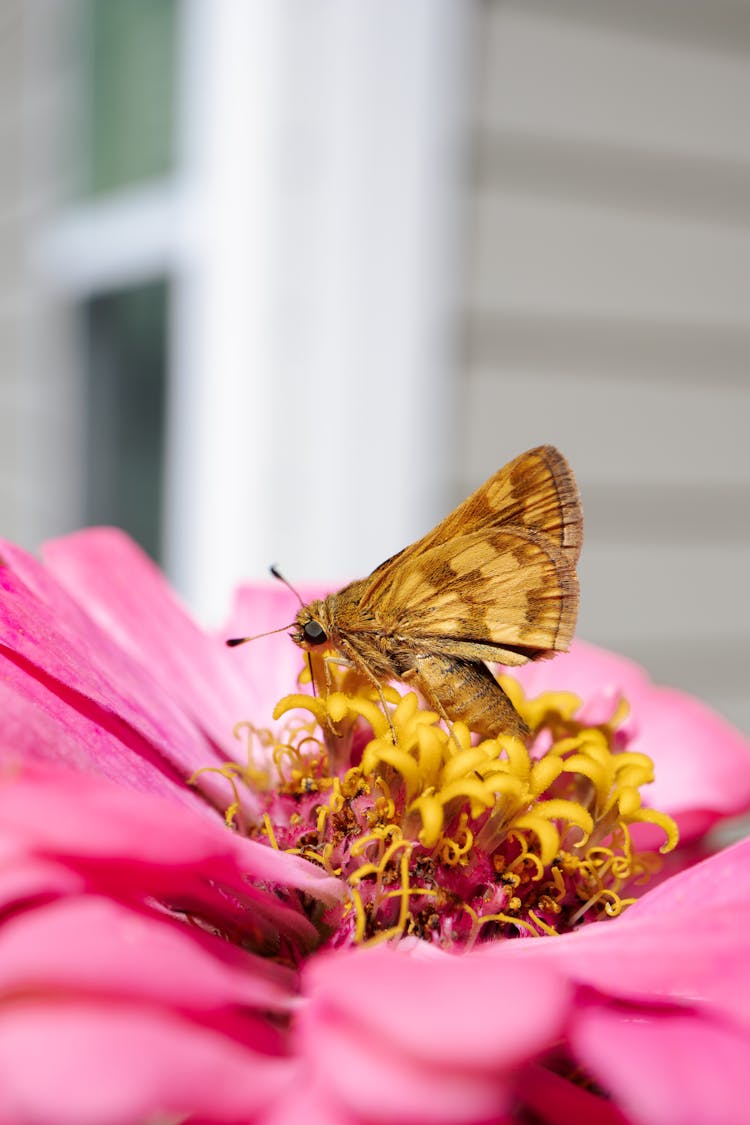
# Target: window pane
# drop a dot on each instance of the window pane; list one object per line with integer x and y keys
{"x": 130, "y": 91}
{"x": 126, "y": 346}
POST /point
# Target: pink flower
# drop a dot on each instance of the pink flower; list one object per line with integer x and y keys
{"x": 156, "y": 965}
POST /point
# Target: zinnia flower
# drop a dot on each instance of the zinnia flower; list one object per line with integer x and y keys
{"x": 211, "y": 914}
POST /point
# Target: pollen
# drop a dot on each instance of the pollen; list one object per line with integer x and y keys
{"x": 443, "y": 835}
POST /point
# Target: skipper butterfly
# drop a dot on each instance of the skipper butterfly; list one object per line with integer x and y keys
{"x": 494, "y": 581}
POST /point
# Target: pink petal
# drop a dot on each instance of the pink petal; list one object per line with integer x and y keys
{"x": 441, "y": 984}
{"x": 127, "y": 596}
{"x": 92, "y": 945}
{"x": 43, "y": 721}
{"x": 402, "y": 1037}
{"x": 305, "y": 1101}
{"x": 27, "y": 879}
{"x": 376, "y": 1083}
{"x": 667, "y": 1067}
{"x": 138, "y": 844}
{"x": 685, "y": 942}
{"x": 55, "y": 643}
{"x": 83, "y": 1063}
{"x": 717, "y": 884}
{"x": 702, "y": 762}
{"x": 595, "y": 674}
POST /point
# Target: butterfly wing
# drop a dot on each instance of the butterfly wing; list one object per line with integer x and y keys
{"x": 507, "y": 595}
{"x": 536, "y": 492}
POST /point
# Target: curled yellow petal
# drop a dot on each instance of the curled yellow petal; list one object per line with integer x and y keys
{"x": 380, "y": 750}
{"x": 431, "y": 745}
{"x": 471, "y": 789}
{"x": 544, "y": 772}
{"x": 570, "y": 811}
{"x": 430, "y": 810}
{"x": 340, "y": 705}
{"x": 311, "y": 703}
{"x": 545, "y": 832}
{"x": 668, "y": 826}
{"x": 505, "y": 784}
{"x": 462, "y": 764}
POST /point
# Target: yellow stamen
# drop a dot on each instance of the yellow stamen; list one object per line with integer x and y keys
{"x": 269, "y": 831}
{"x": 542, "y": 925}
{"x": 360, "y": 916}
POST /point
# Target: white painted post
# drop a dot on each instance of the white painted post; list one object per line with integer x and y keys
{"x": 314, "y": 323}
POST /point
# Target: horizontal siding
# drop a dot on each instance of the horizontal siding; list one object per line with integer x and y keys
{"x": 720, "y": 25}
{"x": 664, "y": 593}
{"x": 590, "y": 345}
{"x": 583, "y": 259}
{"x": 614, "y": 430}
{"x": 11, "y": 145}
{"x": 39, "y": 420}
{"x": 608, "y": 309}
{"x": 644, "y": 180}
{"x": 565, "y": 68}
{"x": 677, "y": 512}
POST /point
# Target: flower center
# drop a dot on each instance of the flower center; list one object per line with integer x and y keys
{"x": 448, "y": 838}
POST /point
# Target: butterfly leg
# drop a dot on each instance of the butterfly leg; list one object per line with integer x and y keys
{"x": 361, "y": 666}
{"x": 411, "y": 677}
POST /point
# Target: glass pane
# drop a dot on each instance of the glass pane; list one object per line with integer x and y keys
{"x": 126, "y": 349}
{"x": 130, "y": 91}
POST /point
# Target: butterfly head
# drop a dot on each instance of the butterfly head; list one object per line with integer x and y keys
{"x": 312, "y": 627}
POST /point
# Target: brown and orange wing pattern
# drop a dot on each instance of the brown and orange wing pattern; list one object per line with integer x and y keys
{"x": 482, "y": 596}
{"x": 536, "y": 492}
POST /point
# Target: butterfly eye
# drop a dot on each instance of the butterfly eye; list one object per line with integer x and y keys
{"x": 314, "y": 633}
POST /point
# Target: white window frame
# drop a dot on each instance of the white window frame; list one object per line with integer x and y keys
{"x": 311, "y": 236}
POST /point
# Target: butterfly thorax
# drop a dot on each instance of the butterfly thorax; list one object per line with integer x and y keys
{"x": 340, "y": 622}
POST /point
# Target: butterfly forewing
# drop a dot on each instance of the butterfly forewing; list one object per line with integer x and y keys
{"x": 497, "y": 588}
{"x": 536, "y": 491}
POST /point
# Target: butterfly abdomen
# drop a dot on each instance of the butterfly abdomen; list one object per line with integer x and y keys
{"x": 465, "y": 691}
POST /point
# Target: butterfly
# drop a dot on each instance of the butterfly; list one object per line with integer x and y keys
{"x": 495, "y": 581}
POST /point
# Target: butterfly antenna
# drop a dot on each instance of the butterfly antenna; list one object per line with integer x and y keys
{"x": 277, "y": 574}
{"x": 234, "y": 641}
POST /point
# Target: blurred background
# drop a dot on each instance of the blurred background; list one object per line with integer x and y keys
{"x": 283, "y": 280}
